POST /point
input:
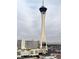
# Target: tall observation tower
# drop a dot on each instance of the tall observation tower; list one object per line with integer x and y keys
{"x": 43, "y": 43}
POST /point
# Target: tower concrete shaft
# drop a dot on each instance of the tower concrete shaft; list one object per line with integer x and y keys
{"x": 43, "y": 32}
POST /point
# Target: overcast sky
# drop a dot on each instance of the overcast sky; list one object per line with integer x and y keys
{"x": 29, "y": 20}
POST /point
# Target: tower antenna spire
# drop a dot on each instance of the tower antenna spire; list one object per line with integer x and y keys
{"x": 42, "y": 2}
